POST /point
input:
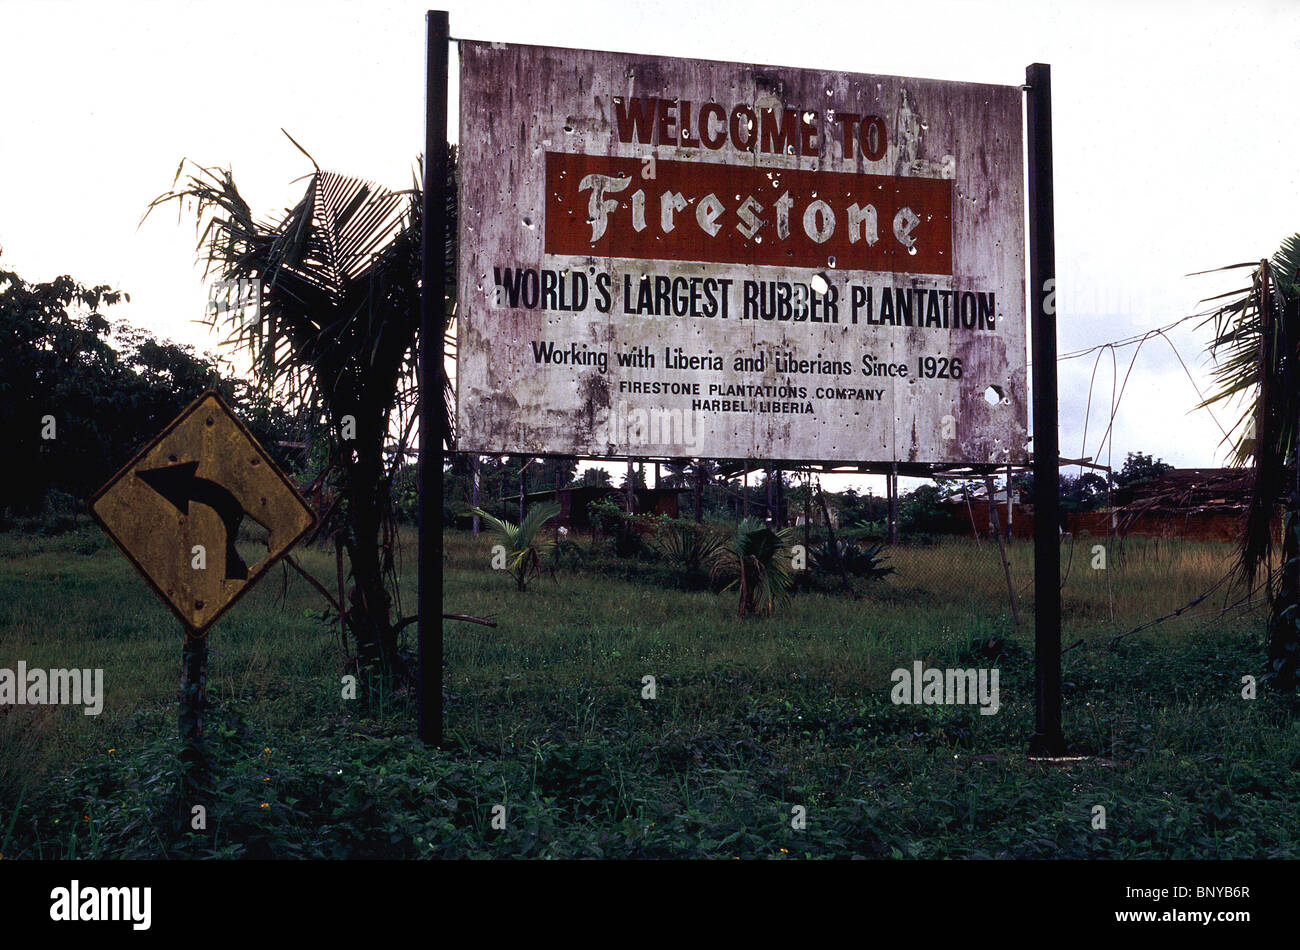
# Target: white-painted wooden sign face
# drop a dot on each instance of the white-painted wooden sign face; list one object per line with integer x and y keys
{"x": 684, "y": 258}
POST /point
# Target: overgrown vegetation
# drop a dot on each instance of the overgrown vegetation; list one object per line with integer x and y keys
{"x": 832, "y": 564}
{"x": 691, "y": 549}
{"x": 753, "y": 716}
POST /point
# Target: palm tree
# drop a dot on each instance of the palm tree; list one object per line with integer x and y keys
{"x": 334, "y": 334}
{"x": 1258, "y": 333}
{"x": 526, "y": 547}
{"x": 758, "y": 560}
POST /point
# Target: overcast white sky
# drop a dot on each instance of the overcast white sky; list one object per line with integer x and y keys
{"x": 1177, "y": 147}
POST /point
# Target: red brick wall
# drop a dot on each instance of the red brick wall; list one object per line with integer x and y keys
{"x": 1190, "y": 526}
{"x": 1022, "y": 520}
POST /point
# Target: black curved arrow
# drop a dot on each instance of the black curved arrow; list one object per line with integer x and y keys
{"x": 178, "y": 484}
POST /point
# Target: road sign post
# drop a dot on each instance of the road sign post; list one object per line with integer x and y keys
{"x": 1048, "y": 738}
{"x": 432, "y": 414}
{"x": 195, "y": 770}
{"x": 175, "y": 510}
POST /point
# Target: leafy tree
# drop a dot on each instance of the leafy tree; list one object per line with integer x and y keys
{"x": 854, "y": 507}
{"x": 107, "y": 386}
{"x": 698, "y": 474}
{"x": 552, "y": 472}
{"x": 498, "y": 483}
{"x": 1084, "y": 493}
{"x": 923, "y": 511}
{"x": 56, "y": 362}
{"x": 594, "y": 477}
{"x": 638, "y": 479}
{"x": 1140, "y": 468}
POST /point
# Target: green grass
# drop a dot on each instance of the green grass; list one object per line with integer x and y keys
{"x": 753, "y": 717}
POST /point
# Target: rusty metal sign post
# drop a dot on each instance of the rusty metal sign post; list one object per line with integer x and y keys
{"x": 175, "y": 511}
{"x": 431, "y": 377}
{"x": 1048, "y": 739}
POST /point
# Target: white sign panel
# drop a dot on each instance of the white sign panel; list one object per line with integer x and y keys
{"x": 683, "y": 258}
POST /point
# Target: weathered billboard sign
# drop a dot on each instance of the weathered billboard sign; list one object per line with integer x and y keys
{"x": 668, "y": 257}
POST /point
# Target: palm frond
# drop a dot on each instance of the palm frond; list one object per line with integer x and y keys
{"x": 339, "y": 273}
{"x": 1215, "y": 270}
{"x": 505, "y": 531}
{"x": 1256, "y": 349}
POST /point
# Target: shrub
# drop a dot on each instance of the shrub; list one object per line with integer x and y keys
{"x": 691, "y": 549}
{"x": 828, "y": 563}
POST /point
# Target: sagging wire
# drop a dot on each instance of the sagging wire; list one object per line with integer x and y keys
{"x": 1107, "y": 440}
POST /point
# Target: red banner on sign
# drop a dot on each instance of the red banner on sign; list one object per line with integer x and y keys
{"x": 601, "y": 206}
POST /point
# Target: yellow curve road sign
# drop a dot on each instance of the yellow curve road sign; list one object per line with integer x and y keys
{"x": 175, "y": 511}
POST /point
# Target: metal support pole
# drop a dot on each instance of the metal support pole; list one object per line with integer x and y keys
{"x": 701, "y": 476}
{"x": 1002, "y": 552}
{"x": 892, "y": 481}
{"x": 767, "y": 508}
{"x": 780, "y": 499}
{"x": 889, "y": 508}
{"x": 523, "y": 487}
{"x": 1048, "y": 738}
{"x": 194, "y": 777}
{"x": 476, "y": 468}
{"x": 433, "y": 279}
{"x": 1010, "y": 506}
{"x": 970, "y": 510}
{"x": 807, "y": 508}
{"x": 993, "y": 508}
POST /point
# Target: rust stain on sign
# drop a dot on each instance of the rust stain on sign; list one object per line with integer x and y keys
{"x": 690, "y": 258}
{"x": 175, "y": 511}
